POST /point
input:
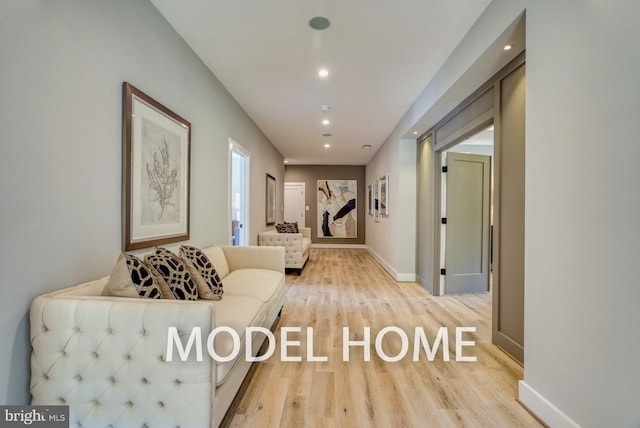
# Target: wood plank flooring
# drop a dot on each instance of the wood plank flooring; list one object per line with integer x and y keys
{"x": 347, "y": 287}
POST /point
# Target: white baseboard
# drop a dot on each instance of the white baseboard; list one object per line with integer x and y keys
{"x": 351, "y": 246}
{"x": 426, "y": 284}
{"x": 400, "y": 277}
{"x": 543, "y": 408}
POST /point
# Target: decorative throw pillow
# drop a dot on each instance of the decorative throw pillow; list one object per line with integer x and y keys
{"x": 207, "y": 279}
{"x": 174, "y": 272}
{"x": 287, "y": 228}
{"x": 130, "y": 277}
{"x": 295, "y": 226}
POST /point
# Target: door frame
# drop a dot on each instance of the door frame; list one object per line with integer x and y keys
{"x": 235, "y": 146}
{"x": 478, "y": 118}
{"x": 438, "y": 279}
{"x": 304, "y": 190}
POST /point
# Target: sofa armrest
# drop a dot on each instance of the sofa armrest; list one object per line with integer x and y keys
{"x": 105, "y": 357}
{"x": 254, "y": 257}
{"x": 306, "y": 232}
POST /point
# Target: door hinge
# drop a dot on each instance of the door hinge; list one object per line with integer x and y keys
{"x": 443, "y": 271}
{"x": 443, "y": 220}
{"x": 445, "y": 169}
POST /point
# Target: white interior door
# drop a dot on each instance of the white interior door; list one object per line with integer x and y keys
{"x": 294, "y": 204}
{"x": 468, "y": 199}
{"x": 239, "y": 171}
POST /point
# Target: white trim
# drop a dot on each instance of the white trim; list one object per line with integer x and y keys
{"x": 543, "y": 408}
{"x": 352, "y": 246}
{"x": 400, "y": 277}
{"x": 235, "y": 146}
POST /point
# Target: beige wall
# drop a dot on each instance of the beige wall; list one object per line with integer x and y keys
{"x": 310, "y": 174}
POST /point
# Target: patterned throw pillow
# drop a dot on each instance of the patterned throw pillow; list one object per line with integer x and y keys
{"x": 174, "y": 272}
{"x": 287, "y": 228}
{"x": 295, "y": 226}
{"x": 207, "y": 279}
{"x": 130, "y": 277}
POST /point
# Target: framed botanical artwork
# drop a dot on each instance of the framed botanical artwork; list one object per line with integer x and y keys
{"x": 384, "y": 195}
{"x": 337, "y": 209}
{"x": 156, "y": 146}
{"x": 369, "y": 201}
{"x": 271, "y": 200}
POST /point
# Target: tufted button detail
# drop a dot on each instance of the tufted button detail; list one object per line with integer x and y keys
{"x": 95, "y": 355}
{"x": 78, "y": 378}
{"x": 109, "y": 331}
{"x": 127, "y": 357}
{"x": 45, "y": 376}
{"x": 112, "y": 380}
{"x": 77, "y": 329}
{"x": 96, "y": 403}
{"x": 145, "y": 426}
{"x": 45, "y": 328}
{"x": 62, "y": 400}
{"x": 178, "y": 382}
{"x": 162, "y": 358}
{"x": 144, "y": 380}
{"x": 161, "y": 404}
{"x": 144, "y": 332}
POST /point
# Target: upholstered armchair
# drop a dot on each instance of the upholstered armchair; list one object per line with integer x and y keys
{"x": 296, "y": 246}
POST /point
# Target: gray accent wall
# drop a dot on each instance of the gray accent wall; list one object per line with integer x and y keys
{"x": 310, "y": 174}
{"x": 61, "y": 73}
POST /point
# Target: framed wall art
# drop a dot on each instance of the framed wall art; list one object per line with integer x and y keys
{"x": 271, "y": 200}
{"x": 384, "y": 195}
{"x": 337, "y": 213}
{"x": 156, "y": 145}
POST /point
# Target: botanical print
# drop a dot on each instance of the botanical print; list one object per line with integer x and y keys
{"x": 337, "y": 213}
{"x": 160, "y": 191}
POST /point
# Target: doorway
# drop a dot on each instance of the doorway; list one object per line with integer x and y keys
{"x": 239, "y": 159}
{"x": 294, "y": 203}
{"x": 466, "y": 215}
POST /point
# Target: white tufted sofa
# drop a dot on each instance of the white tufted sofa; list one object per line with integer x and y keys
{"x": 105, "y": 357}
{"x": 296, "y": 245}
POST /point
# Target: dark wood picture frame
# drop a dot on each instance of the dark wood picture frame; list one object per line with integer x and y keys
{"x": 270, "y": 199}
{"x": 156, "y": 151}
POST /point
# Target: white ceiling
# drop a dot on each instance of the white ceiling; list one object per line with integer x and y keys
{"x": 380, "y": 56}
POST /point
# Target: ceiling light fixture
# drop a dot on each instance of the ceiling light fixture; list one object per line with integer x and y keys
{"x": 286, "y": 161}
{"x": 507, "y": 47}
{"x": 323, "y": 72}
{"x": 415, "y": 132}
{"x": 325, "y": 109}
{"x": 325, "y": 122}
{"x": 326, "y": 146}
{"x": 319, "y": 23}
{"x": 326, "y": 135}
{"x": 366, "y": 147}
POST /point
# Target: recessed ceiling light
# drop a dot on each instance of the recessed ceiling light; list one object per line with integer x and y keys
{"x": 323, "y": 72}
{"x": 286, "y": 161}
{"x": 325, "y": 109}
{"x": 325, "y": 122}
{"x": 319, "y": 22}
{"x": 415, "y": 132}
{"x": 326, "y": 146}
{"x": 366, "y": 147}
{"x": 507, "y": 47}
{"x": 326, "y": 135}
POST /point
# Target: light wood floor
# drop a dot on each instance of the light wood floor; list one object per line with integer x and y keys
{"x": 348, "y": 288}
